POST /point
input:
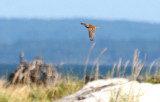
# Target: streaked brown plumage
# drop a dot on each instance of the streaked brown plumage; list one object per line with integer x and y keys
{"x": 91, "y": 29}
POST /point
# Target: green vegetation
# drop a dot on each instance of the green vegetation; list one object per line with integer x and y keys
{"x": 154, "y": 80}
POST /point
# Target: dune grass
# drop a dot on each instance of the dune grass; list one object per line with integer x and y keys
{"x": 35, "y": 93}
{"x": 69, "y": 84}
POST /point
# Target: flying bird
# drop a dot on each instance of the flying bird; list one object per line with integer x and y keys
{"x": 91, "y": 29}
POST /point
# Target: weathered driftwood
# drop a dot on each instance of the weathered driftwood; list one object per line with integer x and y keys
{"x": 37, "y": 72}
{"x": 89, "y": 89}
{"x": 115, "y": 90}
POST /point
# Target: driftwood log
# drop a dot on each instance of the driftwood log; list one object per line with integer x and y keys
{"x": 88, "y": 92}
{"x": 37, "y": 72}
{"x": 115, "y": 90}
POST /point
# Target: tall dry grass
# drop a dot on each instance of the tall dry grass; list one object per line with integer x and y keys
{"x": 86, "y": 63}
{"x": 64, "y": 86}
{"x": 96, "y": 62}
{"x": 39, "y": 93}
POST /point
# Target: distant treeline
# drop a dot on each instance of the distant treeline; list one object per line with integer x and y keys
{"x": 12, "y": 30}
{"x": 76, "y": 50}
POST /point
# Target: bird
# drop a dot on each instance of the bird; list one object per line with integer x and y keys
{"x": 91, "y": 29}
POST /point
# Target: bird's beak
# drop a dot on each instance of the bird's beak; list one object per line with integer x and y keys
{"x": 97, "y": 27}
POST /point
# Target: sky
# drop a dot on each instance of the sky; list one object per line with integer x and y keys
{"x": 134, "y": 10}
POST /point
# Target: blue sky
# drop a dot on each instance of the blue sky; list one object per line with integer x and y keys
{"x": 135, "y": 10}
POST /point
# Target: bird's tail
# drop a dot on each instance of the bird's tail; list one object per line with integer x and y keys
{"x": 82, "y": 23}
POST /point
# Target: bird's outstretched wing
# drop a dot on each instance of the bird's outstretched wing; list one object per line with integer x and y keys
{"x": 91, "y": 33}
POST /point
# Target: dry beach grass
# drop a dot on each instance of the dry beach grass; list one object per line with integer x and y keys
{"x": 64, "y": 86}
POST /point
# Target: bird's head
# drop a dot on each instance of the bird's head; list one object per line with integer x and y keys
{"x": 87, "y": 25}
